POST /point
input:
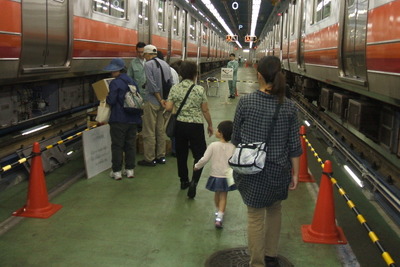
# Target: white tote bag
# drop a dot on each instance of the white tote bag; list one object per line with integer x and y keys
{"x": 103, "y": 112}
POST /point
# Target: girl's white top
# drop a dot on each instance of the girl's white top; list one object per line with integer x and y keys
{"x": 219, "y": 153}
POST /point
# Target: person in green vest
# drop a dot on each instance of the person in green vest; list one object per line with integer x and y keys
{"x": 232, "y": 83}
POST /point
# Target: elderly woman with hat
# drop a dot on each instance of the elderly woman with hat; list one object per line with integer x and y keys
{"x": 123, "y": 125}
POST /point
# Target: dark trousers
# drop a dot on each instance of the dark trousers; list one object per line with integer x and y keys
{"x": 189, "y": 135}
{"x": 123, "y": 140}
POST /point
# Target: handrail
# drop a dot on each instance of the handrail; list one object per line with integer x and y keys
{"x": 379, "y": 185}
{"x": 374, "y": 238}
{"x": 23, "y": 160}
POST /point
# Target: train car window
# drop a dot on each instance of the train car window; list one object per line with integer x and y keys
{"x": 140, "y": 12}
{"x": 144, "y": 12}
{"x": 277, "y": 31}
{"x": 115, "y": 8}
{"x": 205, "y": 30}
{"x": 176, "y": 21}
{"x": 292, "y": 19}
{"x": 193, "y": 30}
{"x": 322, "y": 9}
{"x": 285, "y": 25}
{"x": 161, "y": 14}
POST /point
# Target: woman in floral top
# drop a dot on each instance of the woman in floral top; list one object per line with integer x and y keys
{"x": 189, "y": 125}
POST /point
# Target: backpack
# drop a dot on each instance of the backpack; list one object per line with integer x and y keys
{"x": 133, "y": 101}
{"x": 166, "y": 85}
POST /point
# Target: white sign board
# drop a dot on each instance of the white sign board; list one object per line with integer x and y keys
{"x": 97, "y": 150}
{"x": 226, "y": 74}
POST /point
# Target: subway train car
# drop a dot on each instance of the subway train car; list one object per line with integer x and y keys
{"x": 51, "y": 51}
{"x": 344, "y": 55}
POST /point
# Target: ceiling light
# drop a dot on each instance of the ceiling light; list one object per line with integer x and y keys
{"x": 254, "y": 18}
{"x": 214, "y": 11}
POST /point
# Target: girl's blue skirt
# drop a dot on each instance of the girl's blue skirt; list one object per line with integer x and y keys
{"x": 219, "y": 185}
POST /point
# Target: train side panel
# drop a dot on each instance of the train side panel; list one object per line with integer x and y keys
{"x": 10, "y": 38}
{"x": 383, "y": 50}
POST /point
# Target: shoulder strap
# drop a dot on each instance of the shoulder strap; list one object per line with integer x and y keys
{"x": 160, "y": 67}
{"x": 274, "y": 119}
{"x": 184, "y": 100}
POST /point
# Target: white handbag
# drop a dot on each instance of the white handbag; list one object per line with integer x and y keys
{"x": 103, "y": 112}
{"x": 250, "y": 158}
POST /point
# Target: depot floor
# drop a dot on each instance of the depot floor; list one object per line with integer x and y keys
{"x": 148, "y": 221}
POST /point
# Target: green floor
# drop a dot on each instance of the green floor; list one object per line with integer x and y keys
{"x": 148, "y": 220}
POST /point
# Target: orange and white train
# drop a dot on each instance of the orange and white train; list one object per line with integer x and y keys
{"x": 51, "y": 50}
{"x": 345, "y": 55}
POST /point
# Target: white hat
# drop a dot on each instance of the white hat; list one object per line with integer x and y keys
{"x": 150, "y": 49}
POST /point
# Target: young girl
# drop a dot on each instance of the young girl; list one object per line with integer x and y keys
{"x": 219, "y": 152}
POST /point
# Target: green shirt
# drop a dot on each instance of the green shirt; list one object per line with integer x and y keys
{"x": 191, "y": 111}
{"x": 233, "y": 64}
{"x": 136, "y": 72}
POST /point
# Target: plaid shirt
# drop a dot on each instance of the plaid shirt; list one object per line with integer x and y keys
{"x": 251, "y": 124}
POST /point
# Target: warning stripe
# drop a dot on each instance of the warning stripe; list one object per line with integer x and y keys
{"x": 374, "y": 238}
{"x": 22, "y": 160}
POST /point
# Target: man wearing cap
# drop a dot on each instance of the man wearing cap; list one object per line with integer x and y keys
{"x": 153, "y": 120}
{"x": 123, "y": 125}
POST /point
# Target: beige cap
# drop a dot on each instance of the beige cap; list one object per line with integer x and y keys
{"x": 150, "y": 49}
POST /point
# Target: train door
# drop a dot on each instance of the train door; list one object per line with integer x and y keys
{"x": 46, "y": 35}
{"x": 144, "y": 21}
{"x": 301, "y": 35}
{"x": 353, "y": 41}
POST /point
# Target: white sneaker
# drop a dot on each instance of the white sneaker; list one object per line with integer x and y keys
{"x": 130, "y": 173}
{"x": 116, "y": 175}
{"x": 218, "y": 222}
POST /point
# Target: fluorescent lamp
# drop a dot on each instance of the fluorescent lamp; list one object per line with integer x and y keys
{"x": 246, "y": 50}
{"x": 254, "y": 17}
{"x": 70, "y": 152}
{"x": 307, "y": 123}
{"x": 214, "y": 11}
{"x": 355, "y": 178}
{"x": 34, "y": 129}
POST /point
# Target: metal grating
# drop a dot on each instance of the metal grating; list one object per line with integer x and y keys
{"x": 237, "y": 257}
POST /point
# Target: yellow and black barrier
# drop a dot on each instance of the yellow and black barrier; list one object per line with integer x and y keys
{"x": 23, "y": 160}
{"x": 374, "y": 238}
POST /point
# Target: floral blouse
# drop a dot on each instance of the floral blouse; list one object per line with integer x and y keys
{"x": 191, "y": 111}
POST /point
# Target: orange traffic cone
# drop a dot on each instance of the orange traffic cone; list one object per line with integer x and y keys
{"x": 304, "y": 174}
{"x": 323, "y": 228}
{"x": 38, "y": 205}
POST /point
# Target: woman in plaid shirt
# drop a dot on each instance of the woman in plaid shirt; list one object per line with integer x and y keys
{"x": 263, "y": 192}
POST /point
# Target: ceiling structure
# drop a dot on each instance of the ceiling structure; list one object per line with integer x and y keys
{"x": 237, "y": 15}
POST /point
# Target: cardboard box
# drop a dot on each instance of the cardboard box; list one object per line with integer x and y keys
{"x": 101, "y": 88}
